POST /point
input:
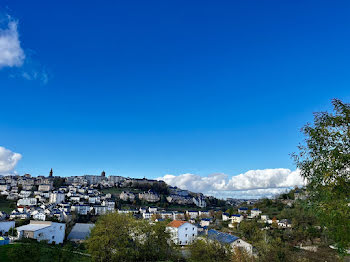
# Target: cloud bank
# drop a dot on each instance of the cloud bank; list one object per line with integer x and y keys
{"x": 251, "y": 184}
{"x": 11, "y": 53}
{"x": 8, "y": 161}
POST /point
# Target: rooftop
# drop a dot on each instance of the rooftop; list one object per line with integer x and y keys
{"x": 176, "y": 223}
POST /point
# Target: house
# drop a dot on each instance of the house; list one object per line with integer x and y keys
{"x": 237, "y": 218}
{"x": 100, "y": 210}
{"x": 182, "y": 232}
{"x": 264, "y": 218}
{"x": 39, "y": 215}
{"x": 109, "y": 203}
{"x": 45, "y": 187}
{"x": 152, "y": 209}
{"x": 5, "y": 227}
{"x": 205, "y": 222}
{"x": 147, "y": 215}
{"x": 228, "y": 239}
{"x": 284, "y": 223}
{"x": 243, "y": 210}
{"x": 56, "y": 197}
{"x": 81, "y": 209}
{"x": 27, "y": 202}
{"x": 43, "y": 230}
{"x": 255, "y": 212}
{"x": 225, "y": 216}
{"x": 192, "y": 214}
{"x": 80, "y": 232}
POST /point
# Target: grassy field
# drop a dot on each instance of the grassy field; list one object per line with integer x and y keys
{"x": 6, "y": 205}
{"x": 45, "y": 254}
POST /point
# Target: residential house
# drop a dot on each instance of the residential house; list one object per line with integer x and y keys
{"x": 255, "y": 212}
{"x": 231, "y": 240}
{"x": 182, "y": 232}
{"x": 243, "y": 210}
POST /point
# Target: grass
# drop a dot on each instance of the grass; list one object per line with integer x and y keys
{"x": 3, "y": 252}
{"x": 45, "y": 252}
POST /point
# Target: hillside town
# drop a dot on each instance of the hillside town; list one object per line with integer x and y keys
{"x": 56, "y": 209}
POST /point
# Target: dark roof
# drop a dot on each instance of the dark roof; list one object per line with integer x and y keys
{"x": 223, "y": 238}
{"x": 243, "y": 208}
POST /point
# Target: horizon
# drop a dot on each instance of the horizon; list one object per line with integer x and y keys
{"x": 208, "y": 97}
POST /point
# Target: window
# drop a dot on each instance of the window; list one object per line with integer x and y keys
{"x": 186, "y": 235}
{"x": 186, "y": 228}
{"x": 180, "y": 242}
{"x": 193, "y": 235}
{"x": 60, "y": 227}
{"x": 192, "y": 228}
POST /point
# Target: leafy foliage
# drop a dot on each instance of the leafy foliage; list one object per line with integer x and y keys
{"x": 119, "y": 237}
{"x": 324, "y": 161}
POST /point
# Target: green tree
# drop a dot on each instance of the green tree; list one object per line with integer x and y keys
{"x": 119, "y": 237}
{"x": 209, "y": 251}
{"x": 324, "y": 161}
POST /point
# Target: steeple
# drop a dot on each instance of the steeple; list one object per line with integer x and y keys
{"x": 51, "y": 173}
{"x": 103, "y": 174}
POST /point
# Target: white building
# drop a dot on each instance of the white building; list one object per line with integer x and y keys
{"x": 237, "y": 218}
{"x": 56, "y": 197}
{"x": 44, "y": 187}
{"x": 182, "y": 232}
{"x": 225, "y": 216}
{"x": 27, "y": 202}
{"x": 255, "y": 212}
{"x": 43, "y": 230}
{"x": 199, "y": 201}
{"x": 39, "y": 216}
{"x": 81, "y": 209}
{"x": 192, "y": 214}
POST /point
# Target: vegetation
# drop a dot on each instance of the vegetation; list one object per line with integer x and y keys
{"x": 6, "y": 205}
{"x": 119, "y": 237}
{"x": 324, "y": 161}
{"x": 32, "y": 251}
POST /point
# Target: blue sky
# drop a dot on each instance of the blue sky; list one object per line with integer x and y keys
{"x": 149, "y": 88}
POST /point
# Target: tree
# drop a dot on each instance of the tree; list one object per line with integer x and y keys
{"x": 324, "y": 161}
{"x": 204, "y": 250}
{"x": 119, "y": 237}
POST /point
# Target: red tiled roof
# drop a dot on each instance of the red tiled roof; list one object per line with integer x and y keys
{"x": 176, "y": 223}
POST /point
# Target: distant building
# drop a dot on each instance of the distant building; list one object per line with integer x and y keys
{"x": 56, "y": 197}
{"x": 255, "y": 212}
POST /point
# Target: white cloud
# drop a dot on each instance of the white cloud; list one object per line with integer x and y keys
{"x": 13, "y": 56}
{"x": 8, "y": 161}
{"x": 11, "y": 53}
{"x": 254, "y": 183}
